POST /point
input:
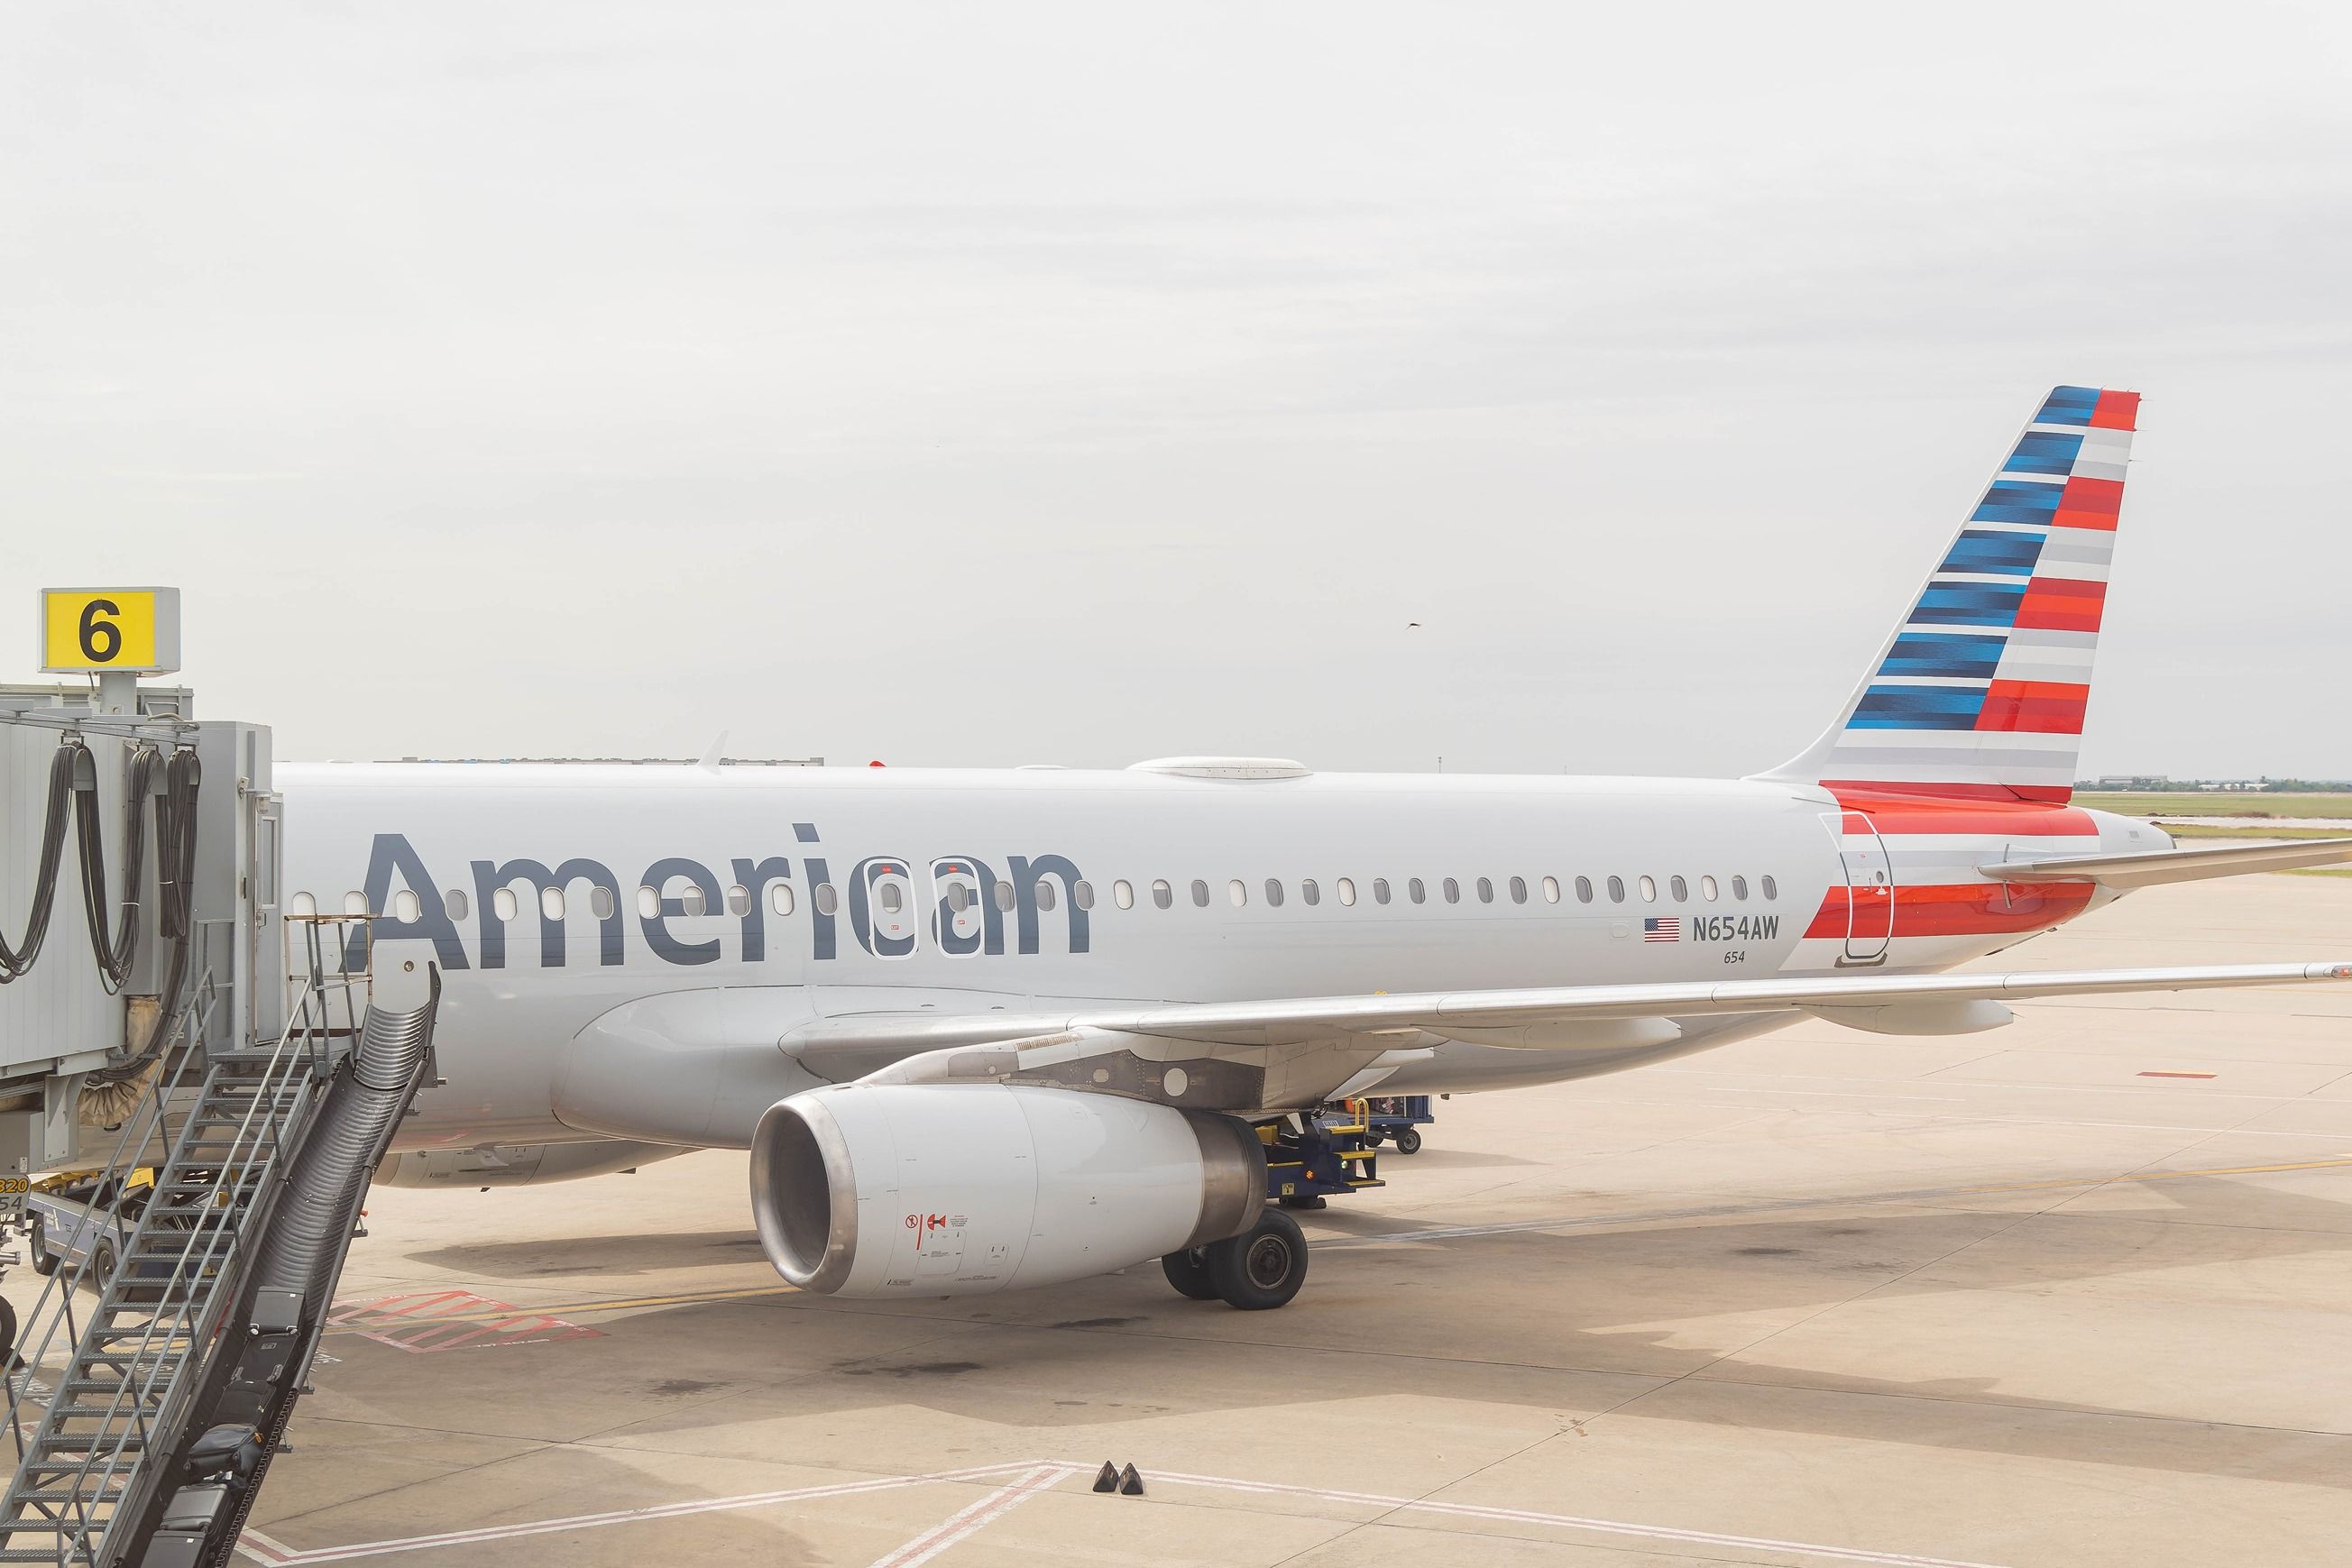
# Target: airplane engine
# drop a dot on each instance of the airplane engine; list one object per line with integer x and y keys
{"x": 938, "y": 1189}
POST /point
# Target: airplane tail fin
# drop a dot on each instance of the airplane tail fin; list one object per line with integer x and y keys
{"x": 1980, "y": 692}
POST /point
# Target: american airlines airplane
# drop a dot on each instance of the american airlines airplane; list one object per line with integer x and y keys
{"x": 988, "y": 1030}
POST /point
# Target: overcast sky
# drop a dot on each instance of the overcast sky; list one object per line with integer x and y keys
{"x": 994, "y": 384}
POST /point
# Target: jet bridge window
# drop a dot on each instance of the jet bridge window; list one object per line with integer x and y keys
{"x": 1616, "y": 890}
{"x": 1380, "y": 890}
{"x": 1771, "y": 888}
{"x": 454, "y": 901}
{"x": 1649, "y": 890}
{"x": 1707, "y": 888}
{"x": 1739, "y": 888}
{"x": 1309, "y": 892}
{"x": 1200, "y": 893}
{"x": 1163, "y": 896}
{"x": 1681, "y": 889}
{"x": 1122, "y": 892}
{"x": 1583, "y": 890}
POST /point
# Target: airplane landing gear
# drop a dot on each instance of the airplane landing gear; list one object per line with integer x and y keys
{"x": 1260, "y": 1268}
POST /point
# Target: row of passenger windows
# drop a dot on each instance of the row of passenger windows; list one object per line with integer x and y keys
{"x": 891, "y": 897}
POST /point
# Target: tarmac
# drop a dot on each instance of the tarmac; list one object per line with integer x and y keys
{"x": 2077, "y": 1291}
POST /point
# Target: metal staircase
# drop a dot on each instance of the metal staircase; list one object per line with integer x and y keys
{"x": 104, "y": 1467}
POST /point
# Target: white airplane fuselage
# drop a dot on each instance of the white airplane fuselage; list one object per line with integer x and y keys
{"x": 577, "y": 885}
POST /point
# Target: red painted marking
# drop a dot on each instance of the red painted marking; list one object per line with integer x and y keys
{"x": 1963, "y": 909}
{"x": 2041, "y": 708}
{"x": 2060, "y": 604}
{"x": 422, "y": 1323}
{"x": 2089, "y": 504}
{"x": 2180, "y": 1075}
{"x": 2000, "y": 817}
{"x": 2116, "y": 411}
{"x": 1953, "y": 793}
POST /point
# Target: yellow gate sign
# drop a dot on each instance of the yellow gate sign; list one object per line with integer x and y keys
{"x": 133, "y": 629}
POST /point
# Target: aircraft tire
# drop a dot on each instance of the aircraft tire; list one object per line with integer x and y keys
{"x": 1188, "y": 1270}
{"x": 1262, "y": 1267}
{"x": 1408, "y": 1140}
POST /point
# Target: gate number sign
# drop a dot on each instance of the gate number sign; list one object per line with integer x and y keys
{"x": 134, "y": 630}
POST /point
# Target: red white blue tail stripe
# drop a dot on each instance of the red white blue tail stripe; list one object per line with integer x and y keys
{"x": 1980, "y": 691}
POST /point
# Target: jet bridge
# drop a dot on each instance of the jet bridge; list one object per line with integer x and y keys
{"x": 191, "y": 1031}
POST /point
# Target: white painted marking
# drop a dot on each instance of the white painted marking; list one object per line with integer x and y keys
{"x": 964, "y": 1522}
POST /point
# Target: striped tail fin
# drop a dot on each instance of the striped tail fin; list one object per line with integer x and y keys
{"x": 1980, "y": 691}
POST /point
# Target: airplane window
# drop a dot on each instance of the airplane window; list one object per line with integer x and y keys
{"x": 1045, "y": 896}
{"x": 1236, "y": 893}
{"x": 958, "y": 897}
{"x": 1003, "y": 897}
{"x": 303, "y": 904}
{"x": 454, "y": 901}
{"x": 504, "y": 905}
{"x": 1707, "y": 888}
{"x": 404, "y": 905}
{"x": 1163, "y": 896}
{"x": 1380, "y": 890}
{"x": 1414, "y": 890}
{"x": 828, "y": 902}
{"x": 1273, "y": 893}
{"x": 355, "y": 904}
{"x": 892, "y": 900}
{"x": 1309, "y": 892}
{"x": 648, "y": 903}
{"x": 1583, "y": 890}
{"x": 1200, "y": 893}
{"x": 1519, "y": 891}
{"x": 691, "y": 898}
{"x": 600, "y": 902}
{"x": 1616, "y": 890}
{"x": 1453, "y": 890}
{"x": 1486, "y": 890}
{"x": 1740, "y": 887}
{"x": 1122, "y": 892}
{"x": 1681, "y": 889}
{"x": 551, "y": 903}
{"x": 1771, "y": 888}
{"x": 1347, "y": 890}
{"x": 780, "y": 897}
{"x": 1083, "y": 894}
{"x": 1649, "y": 890}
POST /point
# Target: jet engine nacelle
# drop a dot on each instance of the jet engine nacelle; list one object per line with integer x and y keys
{"x": 938, "y": 1189}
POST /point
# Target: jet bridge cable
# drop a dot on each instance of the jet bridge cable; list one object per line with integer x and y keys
{"x": 115, "y": 956}
{"x": 175, "y": 866}
{"x": 16, "y": 959}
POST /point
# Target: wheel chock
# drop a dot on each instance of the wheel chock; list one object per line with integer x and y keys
{"x": 1129, "y": 1483}
{"x": 1106, "y": 1479}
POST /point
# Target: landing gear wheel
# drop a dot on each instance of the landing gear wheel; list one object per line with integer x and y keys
{"x": 1188, "y": 1271}
{"x": 1408, "y": 1140}
{"x": 1263, "y": 1267}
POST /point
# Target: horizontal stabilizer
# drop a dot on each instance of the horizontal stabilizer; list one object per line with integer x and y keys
{"x": 2158, "y": 866}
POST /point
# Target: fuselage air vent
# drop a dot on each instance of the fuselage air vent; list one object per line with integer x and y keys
{"x": 1245, "y": 767}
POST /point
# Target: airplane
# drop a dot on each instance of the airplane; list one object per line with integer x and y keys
{"x": 1006, "y": 1028}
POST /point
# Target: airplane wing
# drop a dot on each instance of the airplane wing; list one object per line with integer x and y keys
{"x": 1541, "y": 1018}
{"x": 2120, "y": 871}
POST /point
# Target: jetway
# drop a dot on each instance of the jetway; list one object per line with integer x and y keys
{"x": 159, "y": 1014}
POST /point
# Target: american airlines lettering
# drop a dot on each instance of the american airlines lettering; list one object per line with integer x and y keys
{"x": 969, "y": 916}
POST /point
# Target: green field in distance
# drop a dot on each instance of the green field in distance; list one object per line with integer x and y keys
{"x": 2200, "y": 803}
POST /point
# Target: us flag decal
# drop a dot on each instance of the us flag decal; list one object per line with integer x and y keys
{"x": 1662, "y": 928}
